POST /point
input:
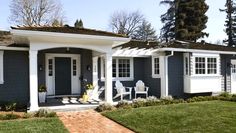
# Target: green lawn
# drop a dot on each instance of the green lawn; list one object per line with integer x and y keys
{"x": 41, "y": 125}
{"x": 212, "y": 116}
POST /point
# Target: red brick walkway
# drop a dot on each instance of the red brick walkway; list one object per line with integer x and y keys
{"x": 90, "y": 122}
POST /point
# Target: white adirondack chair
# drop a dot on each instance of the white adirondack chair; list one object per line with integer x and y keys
{"x": 121, "y": 90}
{"x": 140, "y": 88}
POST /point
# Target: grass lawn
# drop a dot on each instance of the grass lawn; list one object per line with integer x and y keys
{"x": 36, "y": 125}
{"x": 211, "y": 116}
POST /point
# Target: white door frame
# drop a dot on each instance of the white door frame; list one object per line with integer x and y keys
{"x": 50, "y": 80}
{"x": 233, "y": 76}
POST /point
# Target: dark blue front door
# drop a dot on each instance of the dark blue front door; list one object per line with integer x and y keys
{"x": 62, "y": 76}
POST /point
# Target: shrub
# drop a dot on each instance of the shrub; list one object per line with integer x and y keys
{"x": 27, "y": 115}
{"x": 124, "y": 104}
{"x": 10, "y": 116}
{"x": 10, "y": 106}
{"x": 139, "y": 102}
{"x": 45, "y": 113}
{"x": 105, "y": 107}
{"x": 225, "y": 94}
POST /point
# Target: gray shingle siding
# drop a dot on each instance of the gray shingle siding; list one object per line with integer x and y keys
{"x": 142, "y": 71}
{"x": 16, "y": 77}
{"x": 226, "y": 72}
{"x": 175, "y": 75}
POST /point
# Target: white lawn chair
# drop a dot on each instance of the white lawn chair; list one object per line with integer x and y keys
{"x": 121, "y": 90}
{"x": 140, "y": 88}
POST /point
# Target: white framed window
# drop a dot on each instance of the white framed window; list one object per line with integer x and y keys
{"x": 1, "y": 68}
{"x": 206, "y": 65}
{"x": 200, "y": 65}
{"x": 122, "y": 69}
{"x": 155, "y": 67}
{"x": 186, "y": 64}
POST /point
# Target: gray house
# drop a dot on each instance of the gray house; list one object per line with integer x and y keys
{"x": 63, "y": 58}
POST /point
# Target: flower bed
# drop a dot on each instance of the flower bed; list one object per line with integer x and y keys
{"x": 153, "y": 101}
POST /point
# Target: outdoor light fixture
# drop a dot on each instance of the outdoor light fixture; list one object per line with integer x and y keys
{"x": 67, "y": 49}
{"x": 88, "y": 67}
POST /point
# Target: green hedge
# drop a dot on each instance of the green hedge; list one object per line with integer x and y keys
{"x": 153, "y": 101}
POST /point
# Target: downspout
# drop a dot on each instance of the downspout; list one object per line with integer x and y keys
{"x": 166, "y": 78}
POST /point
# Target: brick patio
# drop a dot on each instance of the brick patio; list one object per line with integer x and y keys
{"x": 90, "y": 121}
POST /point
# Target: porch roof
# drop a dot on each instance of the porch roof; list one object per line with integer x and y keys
{"x": 72, "y": 30}
{"x": 180, "y": 46}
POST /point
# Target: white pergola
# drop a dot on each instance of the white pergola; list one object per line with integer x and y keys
{"x": 39, "y": 40}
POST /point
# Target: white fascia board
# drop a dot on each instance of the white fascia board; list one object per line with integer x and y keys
{"x": 13, "y": 48}
{"x": 69, "y": 35}
{"x": 194, "y": 50}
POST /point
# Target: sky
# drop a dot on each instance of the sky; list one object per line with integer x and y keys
{"x": 96, "y": 13}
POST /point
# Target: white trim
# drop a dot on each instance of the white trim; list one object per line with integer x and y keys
{"x": 131, "y": 78}
{"x": 206, "y": 56}
{"x": 116, "y": 40}
{"x": 186, "y": 56}
{"x": 13, "y": 48}
{"x": 195, "y": 51}
{"x": 153, "y": 67}
{"x": 108, "y": 77}
{"x": 33, "y": 79}
{"x": 50, "y": 80}
{"x": 1, "y": 68}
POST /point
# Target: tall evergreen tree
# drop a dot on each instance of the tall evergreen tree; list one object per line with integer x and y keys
{"x": 190, "y": 19}
{"x": 230, "y": 22}
{"x": 184, "y": 20}
{"x": 79, "y": 24}
{"x": 168, "y": 18}
{"x": 145, "y": 31}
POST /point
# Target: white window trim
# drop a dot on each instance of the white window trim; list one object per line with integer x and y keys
{"x": 217, "y": 56}
{"x": 131, "y": 78}
{"x": 1, "y": 68}
{"x": 153, "y": 69}
{"x": 186, "y": 55}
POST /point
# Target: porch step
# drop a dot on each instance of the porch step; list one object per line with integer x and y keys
{"x": 66, "y": 108}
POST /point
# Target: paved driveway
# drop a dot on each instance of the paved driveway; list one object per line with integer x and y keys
{"x": 90, "y": 121}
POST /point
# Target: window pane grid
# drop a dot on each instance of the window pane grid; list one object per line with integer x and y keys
{"x": 186, "y": 66}
{"x": 211, "y": 66}
{"x": 200, "y": 65}
{"x": 124, "y": 67}
{"x": 156, "y": 66}
{"x": 74, "y": 68}
{"x": 50, "y": 67}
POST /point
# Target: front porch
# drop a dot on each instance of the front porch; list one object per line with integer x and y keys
{"x": 63, "y": 61}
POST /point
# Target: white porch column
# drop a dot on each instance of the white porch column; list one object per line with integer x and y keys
{"x": 164, "y": 75}
{"x": 108, "y": 78}
{"x": 33, "y": 73}
{"x": 95, "y": 77}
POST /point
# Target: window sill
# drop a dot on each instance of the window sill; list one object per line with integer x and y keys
{"x": 156, "y": 76}
{"x": 120, "y": 79}
{"x": 206, "y": 75}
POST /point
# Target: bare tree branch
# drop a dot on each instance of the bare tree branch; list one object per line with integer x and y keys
{"x": 35, "y": 12}
{"x": 125, "y": 23}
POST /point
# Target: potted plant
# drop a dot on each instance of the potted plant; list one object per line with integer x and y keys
{"x": 85, "y": 97}
{"x": 42, "y": 93}
{"x": 89, "y": 90}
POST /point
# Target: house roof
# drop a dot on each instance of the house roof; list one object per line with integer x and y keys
{"x": 72, "y": 30}
{"x": 5, "y": 38}
{"x": 197, "y": 46}
{"x": 176, "y": 44}
{"x": 139, "y": 44}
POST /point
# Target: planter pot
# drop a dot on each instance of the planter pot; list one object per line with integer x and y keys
{"x": 90, "y": 94}
{"x": 42, "y": 97}
{"x": 85, "y": 98}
